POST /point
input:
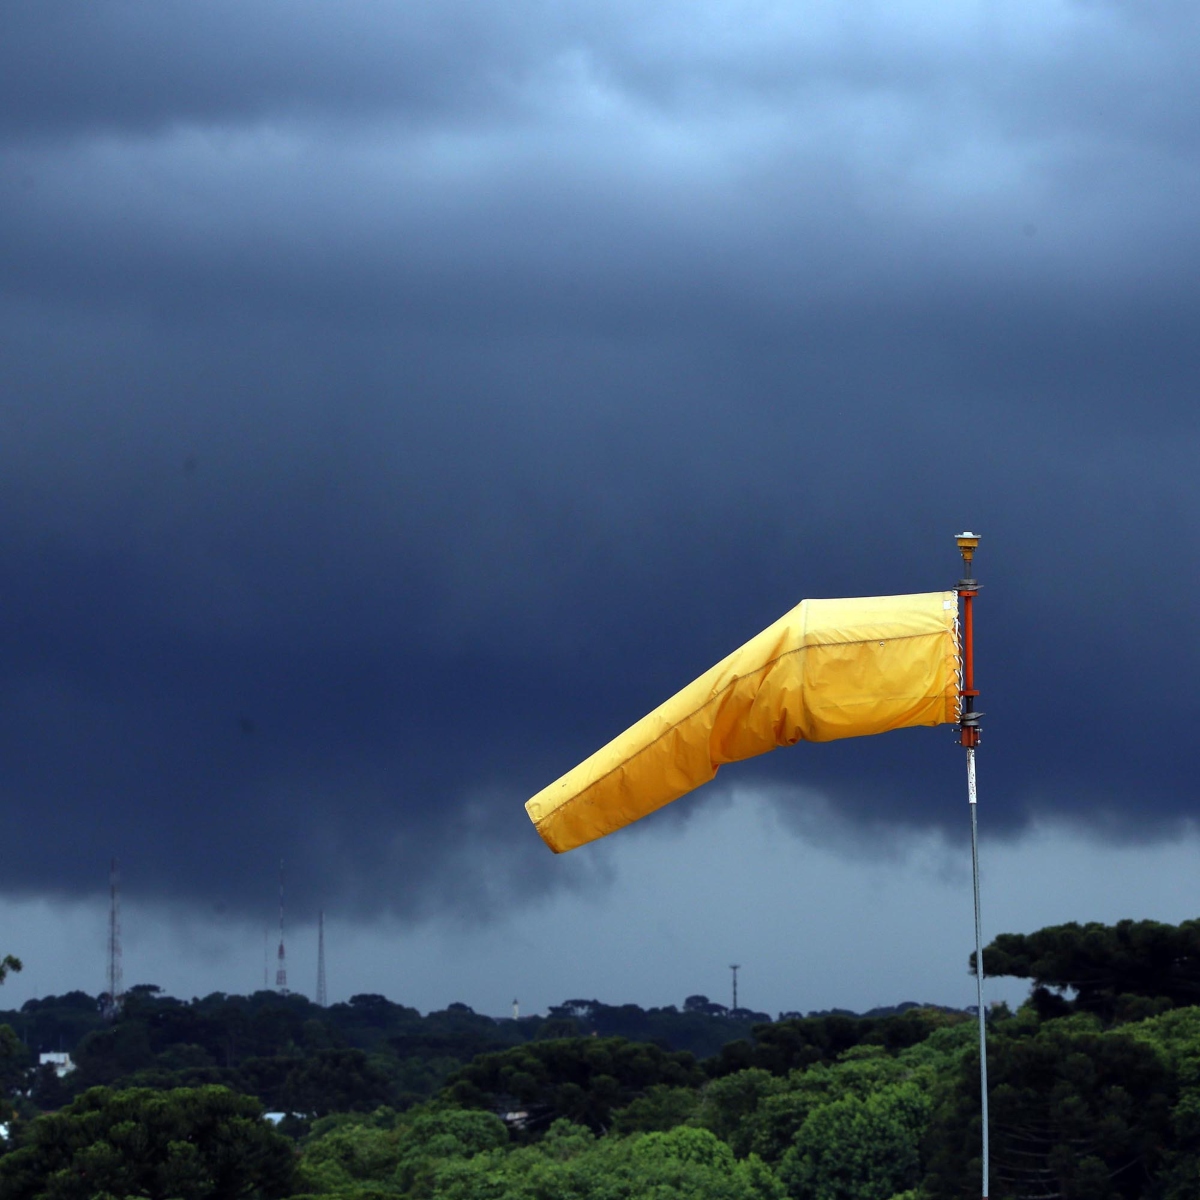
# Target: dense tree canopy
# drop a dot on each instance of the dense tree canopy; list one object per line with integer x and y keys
{"x": 295, "y": 1055}
{"x": 800, "y": 1042}
{"x": 1095, "y": 1095}
{"x": 1077, "y": 1111}
{"x": 177, "y": 1145}
{"x": 1080, "y": 1110}
{"x": 581, "y": 1079}
{"x": 1111, "y": 968}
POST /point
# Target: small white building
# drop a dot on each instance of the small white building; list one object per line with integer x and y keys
{"x": 59, "y": 1060}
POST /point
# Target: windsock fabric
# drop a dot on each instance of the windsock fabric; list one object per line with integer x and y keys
{"x": 828, "y": 669}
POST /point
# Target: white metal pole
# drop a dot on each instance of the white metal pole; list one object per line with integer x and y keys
{"x": 983, "y": 1085}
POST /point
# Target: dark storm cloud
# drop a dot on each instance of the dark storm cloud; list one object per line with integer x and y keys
{"x": 70, "y": 66}
{"x": 396, "y": 408}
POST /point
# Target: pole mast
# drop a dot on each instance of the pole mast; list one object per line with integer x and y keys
{"x": 968, "y": 730}
{"x": 322, "y": 999}
{"x": 115, "y": 986}
{"x": 281, "y": 959}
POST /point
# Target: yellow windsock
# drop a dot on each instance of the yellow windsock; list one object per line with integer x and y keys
{"x": 828, "y": 669}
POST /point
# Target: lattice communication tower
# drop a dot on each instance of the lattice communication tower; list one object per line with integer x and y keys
{"x": 322, "y": 999}
{"x": 116, "y": 988}
{"x": 281, "y": 959}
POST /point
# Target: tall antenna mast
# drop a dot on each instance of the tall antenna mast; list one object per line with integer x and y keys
{"x": 266, "y": 957}
{"x": 115, "y": 987}
{"x": 322, "y": 1000}
{"x": 281, "y": 959}
{"x": 735, "y": 968}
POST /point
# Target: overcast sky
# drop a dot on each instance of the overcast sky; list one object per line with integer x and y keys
{"x": 399, "y": 400}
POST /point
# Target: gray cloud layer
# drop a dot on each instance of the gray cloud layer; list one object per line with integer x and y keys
{"x": 398, "y": 401}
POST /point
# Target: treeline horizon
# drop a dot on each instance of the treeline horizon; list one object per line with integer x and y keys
{"x": 76, "y": 1012}
{"x": 297, "y": 1056}
{"x": 1094, "y": 1086}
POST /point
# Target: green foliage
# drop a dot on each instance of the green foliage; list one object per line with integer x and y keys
{"x": 582, "y": 1079}
{"x": 702, "y": 1027}
{"x": 269, "y": 1045}
{"x": 15, "y": 1060}
{"x": 660, "y": 1109}
{"x": 859, "y": 1147}
{"x": 732, "y": 1103}
{"x": 55, "y": 1022}
{"x": 9, "y": 963}
{"x": 349, "y": 1155}
{"x": 758, "y": 1113}
{"x": 1120, "y": 971}
{"x": 405, "y": 1159}
{"x": 839, "y": 1131}
{"x": 107, "y": 1054}
{"x": 183, "y": 1144}
{"x": 1093, "y": 1098}
{"x": 1075, "y": 1111}
{"x": 1176, "y": 1037}
{"x": 798, "y": 1043}
{"x": 15, "y": 1065}
{"x": 334, "y": 1081}
{"x": 1115, "y": 1115}
{"x": 438, "y": 1130}
{"x": 570, "y": 1164}
{"x": 381, "y": 1118}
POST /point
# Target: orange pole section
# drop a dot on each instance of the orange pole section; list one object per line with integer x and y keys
{"x": 970, "y": 730}
{"x": 968, "y": 589}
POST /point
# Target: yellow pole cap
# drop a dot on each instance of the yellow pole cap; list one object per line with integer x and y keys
{"x": 967, "y": 543}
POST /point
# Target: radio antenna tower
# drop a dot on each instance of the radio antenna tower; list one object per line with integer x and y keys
{"x": 281, "y": 962}
{"x": 735, "y": 968}
{"x": 322, "y": 1000}
{"x": 112, "y": 1005}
